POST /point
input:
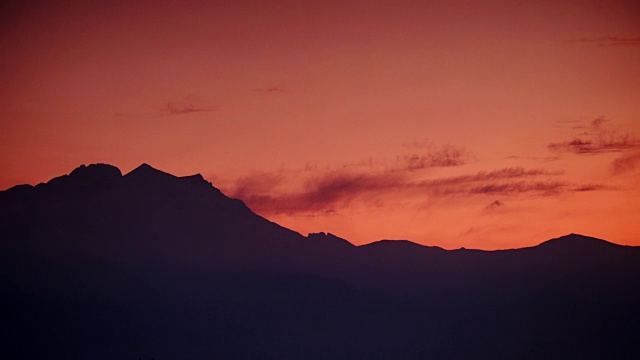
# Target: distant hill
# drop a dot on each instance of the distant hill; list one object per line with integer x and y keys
{"x": 100, "y": 265}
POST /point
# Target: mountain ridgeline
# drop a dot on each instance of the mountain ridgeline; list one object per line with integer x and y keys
{"x": 100, "y": 265}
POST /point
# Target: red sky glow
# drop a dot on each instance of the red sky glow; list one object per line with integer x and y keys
{"x": 483, "y": 124}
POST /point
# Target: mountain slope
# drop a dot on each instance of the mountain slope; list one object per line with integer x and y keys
{"x": 148, "y": 264}
{"x": 146, "y": 214}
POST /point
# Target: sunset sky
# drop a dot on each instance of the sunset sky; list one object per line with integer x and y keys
{"x": 483, "y": 124}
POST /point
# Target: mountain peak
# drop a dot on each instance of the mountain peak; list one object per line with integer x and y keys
{"x": 328, "y": 238}
{"x": 576, "y": 243}
{"x": 395, "y": 244}
{"x": 96, "y": 171}
{"x": 86, "y": 177}
{"x": 194, "y": 178}
{"x": 147, "y": 171}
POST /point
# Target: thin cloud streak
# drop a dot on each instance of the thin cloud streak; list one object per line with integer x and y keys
{"x": 336, "y": 190}
{"x": 533, "y": 158}
{"x": 181, "y": 109}
{"x": 445, "y": 156}
{"x": 505, "y": 173}
{"x": 592, "y": 187}
{"x": 541, "y": 187}
{"x": 188, "y": 105}
{"x": 598, "y": 140}
{"x": 323, "y": 193}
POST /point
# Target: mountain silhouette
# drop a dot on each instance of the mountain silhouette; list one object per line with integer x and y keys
{"x": 101, "y": 265}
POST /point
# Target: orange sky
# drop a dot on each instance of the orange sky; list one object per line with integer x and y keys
{"x": 490, "y": 125}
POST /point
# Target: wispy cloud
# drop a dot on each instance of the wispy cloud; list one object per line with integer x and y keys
{"x": 271, "y": 89}
{"x": 599, "y": 138}
{"x": 507, "y": 185}
{"x": 533, "y": 158}
{"x": 447, "y": 155}
{"x": 496, "y": 204}
{"x": 175, "y": 108}
{"x": 188, "y": 105}
{"x": 328, "y": 192}
{"x": 626, "y": 163}
{"x": 509, "y": 188}
{"x": 500, "y": 174}
{"x": 592, "y": 187}
{"x": 606, "y": 41}
{"x": 319, "y": 194}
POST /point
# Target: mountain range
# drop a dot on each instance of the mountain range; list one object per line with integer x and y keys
{"x": 101, "y": 265}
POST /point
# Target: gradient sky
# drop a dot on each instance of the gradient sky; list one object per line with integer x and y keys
{"x": 483, "y": 124}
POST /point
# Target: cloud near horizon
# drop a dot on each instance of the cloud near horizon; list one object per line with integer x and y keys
{"x": 338, "y": 189}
